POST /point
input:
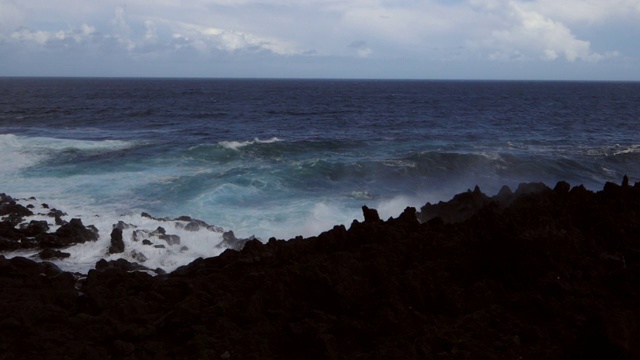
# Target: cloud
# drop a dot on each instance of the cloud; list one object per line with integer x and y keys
{"x": 361, "y": 48}
{"x": 206, "y": 39}
{"x": 154, "y": 35}
{"x": 585, "y": 11}
{"x": 529, "y": 34}
{"x": 317, "y": 32}
{"x": 53, "y": 39}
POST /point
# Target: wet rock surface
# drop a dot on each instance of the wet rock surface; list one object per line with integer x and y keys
{"x": 15, "y": 234}
{"x": 538, "y": 273}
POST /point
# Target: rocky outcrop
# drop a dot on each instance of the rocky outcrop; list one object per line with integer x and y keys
{"x": 532, "y": 274}
{"x": 73, "y": 232}
{"x": 230, "y": 241}
{"x": 117, "y": 243}
{"x": 16, "y": 234}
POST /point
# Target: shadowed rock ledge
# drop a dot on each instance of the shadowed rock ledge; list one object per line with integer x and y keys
{"x": 538, "y": 273}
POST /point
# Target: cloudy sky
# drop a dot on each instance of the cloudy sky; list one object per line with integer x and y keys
{"x": 425, "y": 39}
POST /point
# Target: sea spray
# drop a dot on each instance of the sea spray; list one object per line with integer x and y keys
{"x": 263, "y": 163}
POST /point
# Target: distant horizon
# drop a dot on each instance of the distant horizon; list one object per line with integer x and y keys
{"x": 53, "y": 77}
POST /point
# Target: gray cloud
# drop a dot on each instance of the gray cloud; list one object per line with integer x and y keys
{"x": 311, "y": 35}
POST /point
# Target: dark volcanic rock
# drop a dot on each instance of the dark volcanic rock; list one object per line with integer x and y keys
{"x": 123, "y": 225}
{"x": 230, "y": 241}
{"x": 75, "y": 232}
{"x": 170, "y": 239}
{"x": 35, "y": 228}
{"x": 195, "y": 224}
{"x": 546, "y": 274}
{"x": 117, "y": 244}
{"x": 120, "y": 265}
{"x": 68, "y": 234}
{"x": 8, "y": 206}
{"x": 458, "y": 209}
{"x": 370, "y": 215}
{"x": 47, "y": 254}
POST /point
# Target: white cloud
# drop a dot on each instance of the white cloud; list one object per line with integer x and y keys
{"x": 548, "y": 32}
{"x": 206, "y": 39}
{"x": 531, "y": 34}
{"x": 44, "y": 38}
{"x": 587, "y": 11}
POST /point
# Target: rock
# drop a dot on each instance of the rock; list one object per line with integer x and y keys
{"x": 35, "y": 228}
{"x": 370, "y": 215}
{"x": 196, "y": 225}
{"x": 122, "y": 348}
{"x": 119, "y": 264}
{"x": 124, "y": 226}
{"x": 230, "y": 241}
{"x": 139, "y": 235}
{"x": 544, "y": 275}
{"x": 458, "y": 209}
{"x": 47, "y": 254}
{"x": 138, "y": 256}
{"x": 59, "y": 221}
{"x": 75, "y": 232}
{"x": 192, "y": 226}
{"x": 55, "y": 213}
{"x": 504, "y": 197}
{"x": 170, "y": 239}
{"x": 562, "y": 187}
{"x": 13, "y": 211}
{"x": 117, "y": 244}
{"x": 146, "y": 242}
{"x": 158, "y": 231}
{"x": 530, "y": 188}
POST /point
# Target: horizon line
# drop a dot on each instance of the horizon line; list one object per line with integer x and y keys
{"x": 79, "y": 77}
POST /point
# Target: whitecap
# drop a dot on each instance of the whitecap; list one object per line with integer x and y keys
{"x": 633, "y": 149}
{"x": 237, "y": 145}
{"x": 201, "y": 242}
{"x": 15, "y": 154}
{"x": 20, "y": 152}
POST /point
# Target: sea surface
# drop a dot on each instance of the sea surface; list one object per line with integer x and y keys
{"x": 281, "y": 158}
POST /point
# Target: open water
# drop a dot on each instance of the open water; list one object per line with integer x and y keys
{"x": 280, "y": 158}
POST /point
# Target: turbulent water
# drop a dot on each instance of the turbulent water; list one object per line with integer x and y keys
{"x": 294, "y": 157}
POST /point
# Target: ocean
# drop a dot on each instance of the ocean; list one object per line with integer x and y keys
{"x": 282, "y": 158}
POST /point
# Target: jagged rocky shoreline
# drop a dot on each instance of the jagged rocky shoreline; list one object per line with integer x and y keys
{"x": 538, "y": 273}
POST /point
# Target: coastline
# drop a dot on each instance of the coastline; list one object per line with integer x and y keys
{"x": 531, "y": 273}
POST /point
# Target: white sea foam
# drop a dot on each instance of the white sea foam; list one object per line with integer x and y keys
{"x": 395, "y": 206}
{"x": 237, "y": 145}
{"x": 14, "y": 155}
{"x": 19, "y": 152}
{"x": 633, "y": 149}
{"x": 162, "y": 254}
{"x": 290, "y": 220}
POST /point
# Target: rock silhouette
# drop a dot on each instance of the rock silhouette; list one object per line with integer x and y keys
{"x": 538, "y": 273}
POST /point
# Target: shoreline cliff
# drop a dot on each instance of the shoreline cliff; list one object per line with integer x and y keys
{"x": 536, "y": 273}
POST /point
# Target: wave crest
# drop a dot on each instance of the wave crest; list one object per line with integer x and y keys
{"x": 237, "y": 145}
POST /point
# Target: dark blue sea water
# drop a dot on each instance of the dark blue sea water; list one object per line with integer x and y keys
{"x": 288, "y": 157}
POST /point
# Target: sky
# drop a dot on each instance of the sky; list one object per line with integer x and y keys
{"x": 400, "y": 39}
